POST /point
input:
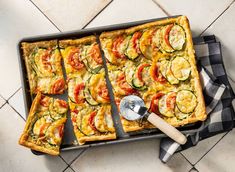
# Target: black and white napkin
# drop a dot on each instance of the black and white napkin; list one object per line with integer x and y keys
{"x": 218, "y": 96}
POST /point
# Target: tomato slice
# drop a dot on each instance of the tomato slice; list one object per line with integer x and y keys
{"x": 63, "y": 103}
{"x": 95, "y": 54}
{"x": 116, "y": 44}
{"x": 91, "y": 120}
{"x": 140, "y": 69}
{"x": 166, "y": 35}
{"x": 45, "y": 101}
{"x": 77, "y": 91}
{"x": 155, "y": 74}
{"x": 135, "y": 39}
{"x": 103, "y": 91}
{"x": 61, "y": 130}
{"x": 170, "y": 101}
{"x": 74, "y": 118}
{"x": 122, "y": 83}
{"x": 117, "y": 101}
{"x": 58, "y": 86}
{"x": 43, "y": 129}
{"x": 154, "y": 103}
{"x": 73, "y": 59}
{"x": 46, "y": 60}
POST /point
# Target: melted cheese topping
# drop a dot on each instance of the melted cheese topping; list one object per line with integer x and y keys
{"x": 44, "y": 84}
{"x": 186, "y": 101}
{"x": 180, "y": 68}
{"x": 95, "y": 81}
{"x": 177, "y": 37}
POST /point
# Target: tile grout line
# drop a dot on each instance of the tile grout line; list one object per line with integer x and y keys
{"x": 211, "y": 148}
{"x": 4, "y": 100}
{"x": 45, "y": 15}
{"x": 97, "y": 14}
{"x": 161, "y": 7}
{"x": 77, "y": 156}
{"x": 65, "y": 168}
{"x": 16, "y": 111}
{"x": 7, "y": 100}
{"x": 186, "y": 159}
{"x": 3, "y": 104}
{"x": 194, "y": 169}
{"x": 72, "y": 168}
{"x": 217, "y": 17}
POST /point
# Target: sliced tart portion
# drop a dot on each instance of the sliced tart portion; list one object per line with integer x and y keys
{"x": 45, "y": 125}
{"x": 93, "y": 124}
{"x": 44, "y": 69}
{"x": 81, "y": 55}
{"x": 114, "y": 47}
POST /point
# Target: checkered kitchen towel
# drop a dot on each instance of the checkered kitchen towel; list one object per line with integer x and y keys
{"x": 217, "y": 93}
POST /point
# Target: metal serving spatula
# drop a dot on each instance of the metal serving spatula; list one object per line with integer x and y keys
{"x": 133, "y": 108}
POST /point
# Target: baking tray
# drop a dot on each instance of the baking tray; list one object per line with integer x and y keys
{"x": 69, "y": 139}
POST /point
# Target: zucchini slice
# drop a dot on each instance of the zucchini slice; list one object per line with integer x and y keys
{"x": 89, "y": 62}
{"x": 169, "y": 75}
{"x": 163, "y": 66}
{"x": 123, "y": 46}
{"x": 89, "y": 99}
{"x": 146, "y": 76}
{"x": 41, "y": 125}
{"x": 157, "y": 38}
{"x": 129, "y": 72}
{"x": 163, "y": 108}
{"x": 84, "y": 126}
{"x": 186, "y": 101}
{"x": 180, "y": 115}
{"x": 100, "y": 123}
{"x": 145, "y": 43}
{"x": 180, "y": 68}
{"x": 132, "y": 52}
{"x": 165, "y": 45}
{"x": 53, "y": 132}
{"x": 137, "y": 84}
{"x": 94, "y": 70}
{"x": 109, "y": 121}
{"x": 177, "y": 37}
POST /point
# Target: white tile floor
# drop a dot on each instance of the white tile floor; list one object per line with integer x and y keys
{"x": 25, "y": 18}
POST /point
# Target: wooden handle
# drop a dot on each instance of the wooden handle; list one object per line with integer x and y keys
{"x": 166, "y": 128}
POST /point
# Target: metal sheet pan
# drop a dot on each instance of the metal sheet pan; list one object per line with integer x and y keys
{"x": 69, "y": 138}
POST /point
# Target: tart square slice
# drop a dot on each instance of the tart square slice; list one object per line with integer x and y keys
{"x": 90, "y": 108}
{"x": 81, "y": 56}
{"x": 93, "y": 123}
{"x": 44, "y": 69}
{"x": 45, "y": 125}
